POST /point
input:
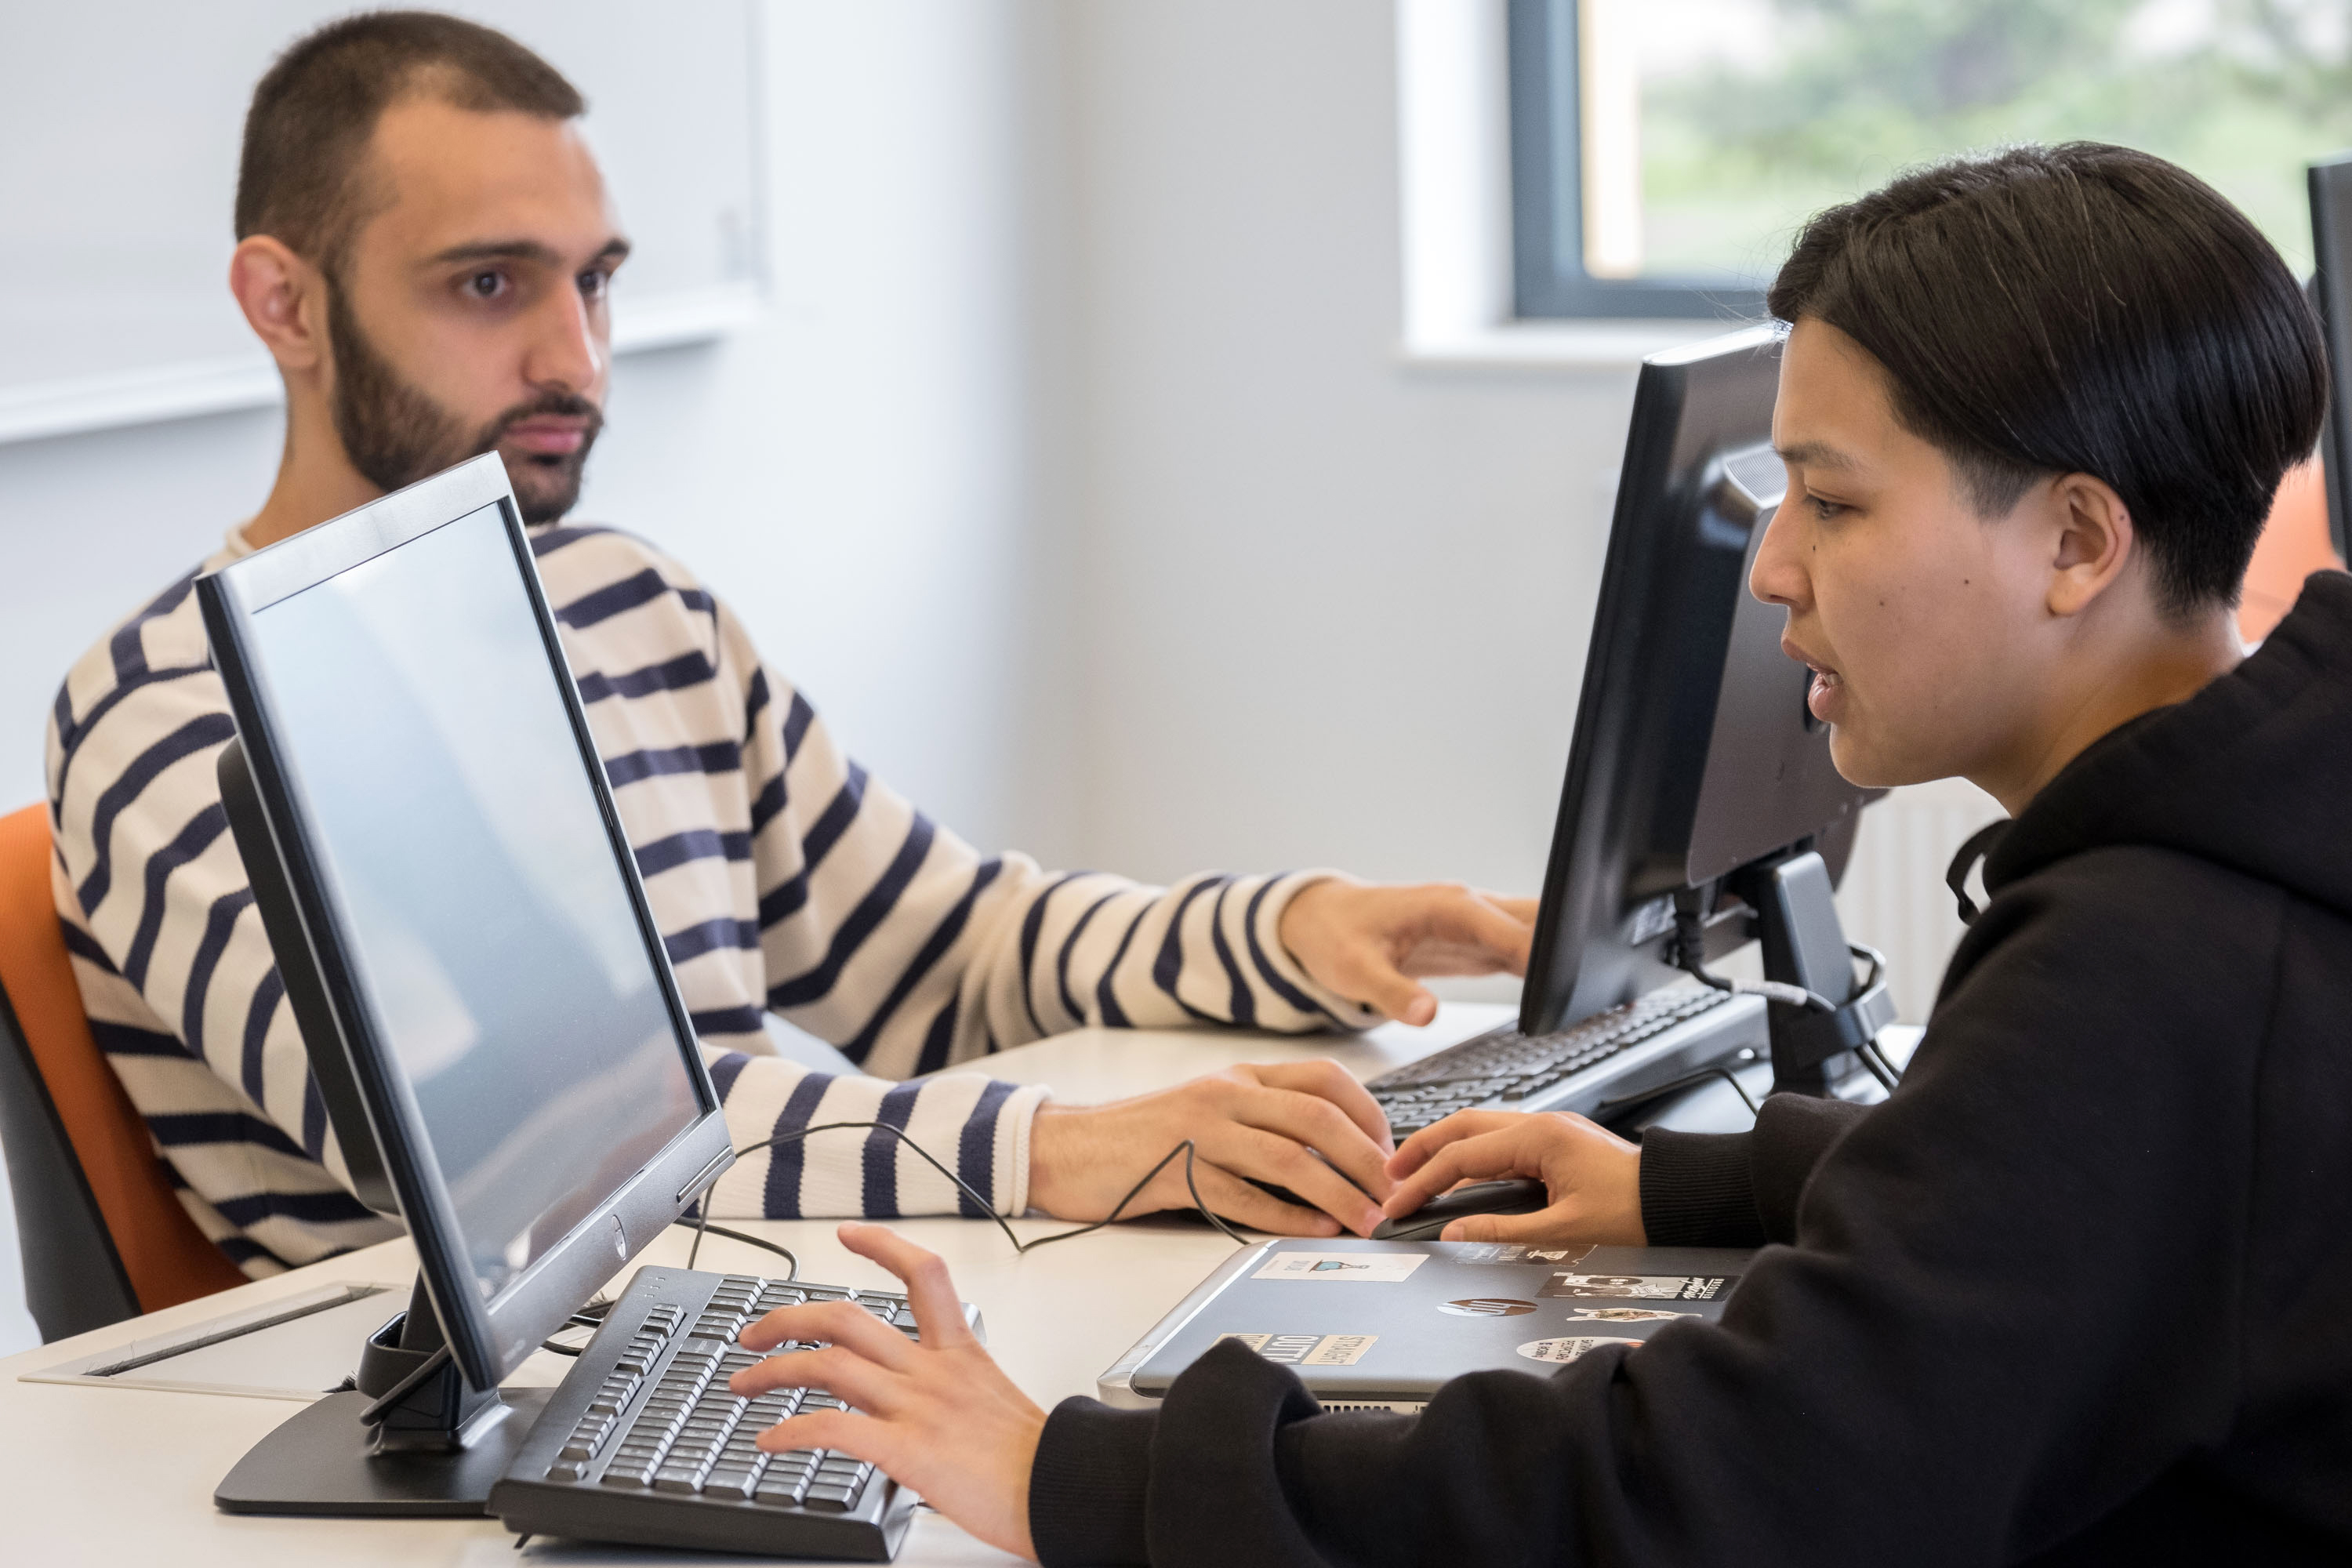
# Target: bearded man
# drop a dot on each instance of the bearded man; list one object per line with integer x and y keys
{"x": 425, "y": 248}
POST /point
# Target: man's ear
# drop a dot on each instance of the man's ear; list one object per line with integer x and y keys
{"x": 2095, "y": 542}
{"x": 284, "y": 301}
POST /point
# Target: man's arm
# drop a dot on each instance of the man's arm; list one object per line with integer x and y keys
{"x": 887, "y": 935}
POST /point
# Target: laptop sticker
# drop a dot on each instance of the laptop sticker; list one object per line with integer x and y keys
{"x": 1566, "y": 1350}
{"x": 1622, "y": 1315}
{"x": 1308, "y": 1350}
{"x": 1642, "y": 1287}
{"x": 1342, "y": 1267}
{"x": 1488, "y": 1307}
{"x": 1500, "y": 1252}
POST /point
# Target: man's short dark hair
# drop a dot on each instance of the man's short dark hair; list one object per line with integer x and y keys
{"x": 2081, "y": 309}
{"x": 298, "y": 179}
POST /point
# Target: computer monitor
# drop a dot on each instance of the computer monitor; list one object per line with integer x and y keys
{"x": 2330, "y": 184}
{"x": 488, "y": 1011}
{"x": 1696, "y": 767}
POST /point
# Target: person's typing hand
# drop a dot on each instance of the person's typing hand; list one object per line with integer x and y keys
{"x": 1372, "y": 945}
{"x": 1305, "y": 1126}
{"x": 1593, "y": 1176}
{"x": 938, "y": 1416}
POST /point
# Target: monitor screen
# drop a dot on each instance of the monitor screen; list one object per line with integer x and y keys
{"x": 1694, "y": 753}
{"x": 493, "y": 937}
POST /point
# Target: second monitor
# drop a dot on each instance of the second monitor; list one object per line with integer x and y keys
{"x": 1700, "y": 810}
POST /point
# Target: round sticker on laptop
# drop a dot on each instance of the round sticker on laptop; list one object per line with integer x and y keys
{"x": 1567, "y": 1349}
{"x": 1486, "y": 1306}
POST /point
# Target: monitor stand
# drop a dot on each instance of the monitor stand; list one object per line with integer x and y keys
{"x": 1805, "y": 944}
{"x": 438, "y": 1454}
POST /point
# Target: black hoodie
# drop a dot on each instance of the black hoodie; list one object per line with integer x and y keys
{"x": 2080, "y": 1291}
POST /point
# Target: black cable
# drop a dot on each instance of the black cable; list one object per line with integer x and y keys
{"x": 1690, "y": 957}
{"x": 373, "y": 1416}
{"x": 1689, "y": 1078}
{"x": 590, "y": 1316}
{"x": 1740, "y": 1089}
{"x": 1019, "y": 1246}
{"x": 702, "y": 1223}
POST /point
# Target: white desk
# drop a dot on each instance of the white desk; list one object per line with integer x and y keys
{"x": 123, "y": 1475}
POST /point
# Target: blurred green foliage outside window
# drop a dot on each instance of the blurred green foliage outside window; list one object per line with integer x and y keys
{"x": 1705, "y": 130}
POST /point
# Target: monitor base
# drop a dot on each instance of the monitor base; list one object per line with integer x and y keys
{"x": 323, "y": 1463}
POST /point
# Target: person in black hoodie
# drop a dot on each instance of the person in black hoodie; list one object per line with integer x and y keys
{"x": 2080, "y": 1289}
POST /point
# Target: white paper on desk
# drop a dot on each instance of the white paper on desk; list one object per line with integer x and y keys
{"x": 1347, "y": 1268}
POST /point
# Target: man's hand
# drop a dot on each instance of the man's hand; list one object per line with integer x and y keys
{"x": 1270, "y": 1122}
{"x": 1593, "y": 1176}
{"x": 1369, "y": 943}
{"x": 939, "y": 1417}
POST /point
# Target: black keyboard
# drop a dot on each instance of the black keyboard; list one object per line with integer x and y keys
{"x": 644, "y": 1442}
{"x": 1512, "y": 1071}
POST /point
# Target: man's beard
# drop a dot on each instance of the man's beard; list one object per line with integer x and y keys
{"x": 394, "y": 435}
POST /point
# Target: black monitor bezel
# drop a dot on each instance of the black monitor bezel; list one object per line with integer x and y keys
{"x": 1645, "y": 715}
{"x": 486, "y": 1339}
{"x": 2329, "y": 184}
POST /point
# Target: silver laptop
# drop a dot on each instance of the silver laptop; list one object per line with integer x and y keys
{"x": 1378, "y": 1325}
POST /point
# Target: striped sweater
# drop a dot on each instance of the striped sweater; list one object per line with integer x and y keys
{"x": 784, "y": 877}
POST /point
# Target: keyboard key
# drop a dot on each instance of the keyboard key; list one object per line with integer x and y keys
{"x": 830, "y": 1499}
{"x": 731, "y": 1482}
{"x": 566, "y": 1470}
{"x": 678, "y": 1479}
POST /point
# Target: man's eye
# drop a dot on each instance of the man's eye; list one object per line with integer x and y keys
{"x": 593, "y": 284}
{"x": 486, "y": 285}
{"x": 1824, "y": 508}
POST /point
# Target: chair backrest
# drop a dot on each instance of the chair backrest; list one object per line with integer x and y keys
{"x": 2294, "y": 544}
{"x": 102, "y": 1235}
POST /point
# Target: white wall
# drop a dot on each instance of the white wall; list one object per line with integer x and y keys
{"x": 1337, "y": 606}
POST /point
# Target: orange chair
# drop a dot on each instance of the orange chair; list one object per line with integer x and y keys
{"x": 102, "y": 1235}
{"x": 2294, "y": 544}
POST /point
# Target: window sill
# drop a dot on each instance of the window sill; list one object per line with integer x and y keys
{"x": 1555, "y": 346}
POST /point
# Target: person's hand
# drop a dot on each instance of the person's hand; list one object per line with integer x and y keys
{"x": 939, "y": 1417}
{"x": 1369, "y": 943}
{"x": 1269, "y": 1122}
{"x": 1593, "y": 1176}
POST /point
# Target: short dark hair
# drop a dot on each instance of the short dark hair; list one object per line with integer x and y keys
{"x": 2081, "y": 309}
{"x": 315, "y": 108}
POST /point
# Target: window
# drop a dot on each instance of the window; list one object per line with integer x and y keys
{"x": 1664, "y": 152}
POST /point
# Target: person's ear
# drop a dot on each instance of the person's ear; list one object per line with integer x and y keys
{"x": 284, "y": 301}
{"x": 2095, "y": 542}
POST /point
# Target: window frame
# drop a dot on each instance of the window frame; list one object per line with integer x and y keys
{"x": 1548, "y": 281}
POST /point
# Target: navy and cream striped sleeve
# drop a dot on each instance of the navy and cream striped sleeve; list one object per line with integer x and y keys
{"x": 176, "y": 974}
{"x": 886, "y": 934}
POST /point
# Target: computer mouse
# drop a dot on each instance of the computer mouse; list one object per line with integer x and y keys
{"x": 1518, "y": 1195}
